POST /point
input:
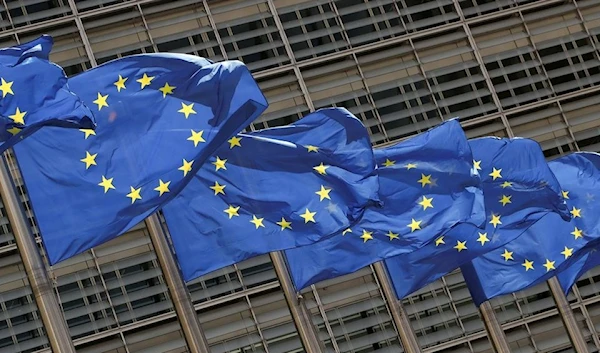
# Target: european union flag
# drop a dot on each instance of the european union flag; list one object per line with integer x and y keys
{"x": 159, "y": 116}
{"x": 428, "y": 185}
{"x": 274, "y": 189}
{"x": 536, "y": 255}
{"x": 35, "y": 93}
{"x": 519, "y": 188}
{"x": 582, "y": 261}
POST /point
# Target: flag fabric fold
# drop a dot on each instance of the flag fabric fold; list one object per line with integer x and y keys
{"x": 582, "y": 261}
{"x": 519, "y": 189}
{"x": 428, "y": 185}
{"x": 34, "y": 93}
{"x": 159, "y": 117}
{"x": 274, "y": 189}
{"x": 549, "y": 245}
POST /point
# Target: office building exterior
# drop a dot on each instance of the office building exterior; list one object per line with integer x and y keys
{"x": 505, "y": 67}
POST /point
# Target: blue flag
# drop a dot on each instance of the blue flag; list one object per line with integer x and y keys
{"x": 274, "y": 189}
{"x": 428, "y": 185}
{"x": 582, "y": 261}
{"x": 34, "y": 93}
{"x": 519, "y": 188}
{"x": 536, "y": 255}
{"x": 159, "y": 116}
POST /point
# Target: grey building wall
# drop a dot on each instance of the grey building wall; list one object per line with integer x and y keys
{"x": 506, "y": 67}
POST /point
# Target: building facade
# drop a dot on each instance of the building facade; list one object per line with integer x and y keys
{"x": 505, "y": 67}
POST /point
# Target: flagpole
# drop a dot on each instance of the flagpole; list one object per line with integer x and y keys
{"x": 192, "y": 331}
{"x": 407, "y": 335}
{"x": 300, "y": 314}
{"x": 567, "y": 316}
{"x": 493, "y": 328}
{"x": 43, "y": 292}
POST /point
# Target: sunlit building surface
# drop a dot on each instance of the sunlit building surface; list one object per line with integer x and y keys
{"x": 505, "y": 67}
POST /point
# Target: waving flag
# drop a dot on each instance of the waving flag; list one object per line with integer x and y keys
{"x": 519, "y": 189}
{"x": 547, "y": 247}
{"x": 274, "y": 189}
{"x": 160, "y": 117}
{"x": 34, "y": 93}
{"x": 428, "y": 185}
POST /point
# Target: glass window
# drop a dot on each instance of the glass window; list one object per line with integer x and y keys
{"x": 21, "y": 328}
{"x": 402, "y": 98}
{"x": 339, "y": 83}
{"x": 23, "y": 12}
{"x": 248, "y": 32}
{"x": 181, "y": 27}
{"x": 286, "y": 100}
{"x": 454, "y": 75}
{"x": 420, "y": 15}
{"x": 511, "y": 61}
{"x": 121, "y": 33}
{"x": 312, "y": 28}
{"x": 370, "y": 21}
{"x": 350, "y": 313}
{"x": 68, "y": 50}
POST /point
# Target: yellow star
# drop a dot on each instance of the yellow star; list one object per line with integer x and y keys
{"x": 439, "y": 241}
{"x": 565, "y": 194}
{"x": 323, "y": 193}
{"x": 425, "y": 202}
{"x": 145, "y": 80}
{"x": 14, "y": 130}
{"x": 187, "y": 109}
{"x": 312, "y": 148}
{"x": 219, "y": 164}
{"x": 186, "y": 167}
{"x": 576, "y": 212}
{"x": 495, "y": 174}
{"x": 392, "y": 236}
{"x": 495, "y": 220}
{"x": 477, "y": 165}
{"x": 162, "y": 187}
{"x": 410, "y": 166}
{"x": 107, "y": 184}
{"x": 258, "y": 222}
{"x": 89, "y": 160}
{"x": 120, "y": 83}
{"x": 505, "y": 199}
{"x": 366, "y": 236}
{"x": 6, "y": 88}
{"x": 506, "y": 184}
{"x": 134, "y": 194}
{"x": 425, "y": 179}
{"x": 101, "y": 101}
{"x": 388, "y": 163}
{"x": 284, "y": 224}
{"x": 232, "y": 211}
{"x": 483, "y": 238}
{"x": 88, "y": 132}
{"x": 196, "y": 137}
{"x": 568, "y": 252}
{"x": 218, "y": 188}
{"x": 507, "y": 255}
{"x": 308, "y": 216}
{"x": 528, "y": 265}
{"x": 166, "y": 89}
{"x": 321, "y": 169}
{"x": 18, "y": 117}
{"x": 347, "y": 230}
{"x": 549, "y": 265}
{"x": 460, "y": 245}
{"x": 414, "y": 225}
{"x": 234, "y": 141}
{"x": 578, "y": 233}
